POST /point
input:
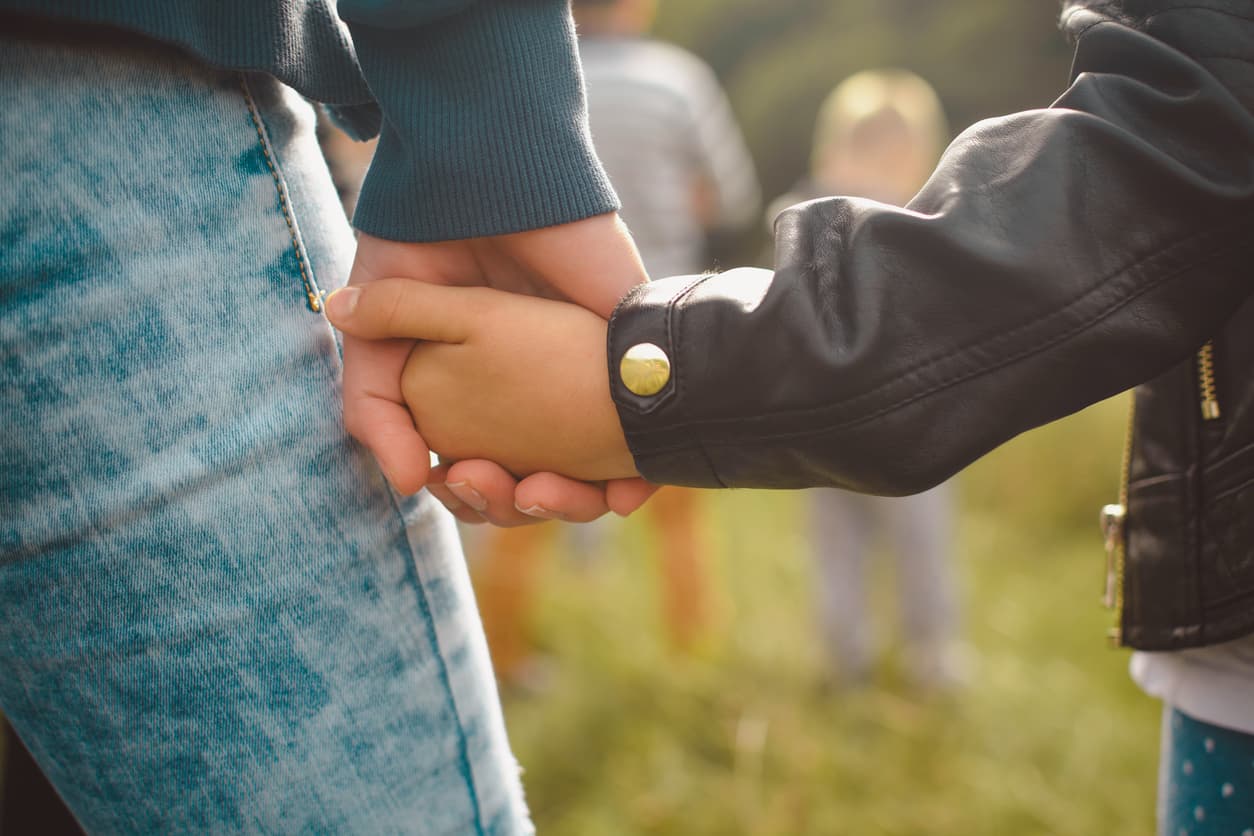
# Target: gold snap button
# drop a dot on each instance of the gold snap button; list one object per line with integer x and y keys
{"x": 645, "y": 369}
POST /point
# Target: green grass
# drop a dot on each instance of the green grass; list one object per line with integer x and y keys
{"x": 1050, "y": 737}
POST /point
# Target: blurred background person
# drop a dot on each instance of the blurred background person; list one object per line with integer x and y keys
{"x": 670, "y": 143}
{"x": 667, "y": 136}
{"x": 878, "y": 135}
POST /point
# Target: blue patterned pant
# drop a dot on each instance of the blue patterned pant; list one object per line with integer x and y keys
{"x": 1206, "y": 781}
{"x": 214, "y": 615}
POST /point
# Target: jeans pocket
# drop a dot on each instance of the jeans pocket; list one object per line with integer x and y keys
{"x": 313, "y": 294}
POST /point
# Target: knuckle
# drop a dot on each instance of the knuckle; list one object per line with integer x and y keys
{"x": 392, "y": 306}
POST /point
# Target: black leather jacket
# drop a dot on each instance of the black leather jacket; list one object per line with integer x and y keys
{"x": 1055, "y": 258}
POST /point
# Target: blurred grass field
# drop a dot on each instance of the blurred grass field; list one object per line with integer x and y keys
{"x": 740, "y": 737}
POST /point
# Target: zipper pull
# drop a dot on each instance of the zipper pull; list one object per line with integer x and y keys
{"x": 1112, "y": 521}
{"x": 1206, "y": 382}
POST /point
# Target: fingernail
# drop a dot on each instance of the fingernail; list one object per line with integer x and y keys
{"x": 541, "y": 512}
{"x": 468, "y": 495}
{"x": 342, "y": 302}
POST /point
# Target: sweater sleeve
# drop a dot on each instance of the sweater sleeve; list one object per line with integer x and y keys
{"x": 484, "y": 122}
{"x": 1056, "y": 257}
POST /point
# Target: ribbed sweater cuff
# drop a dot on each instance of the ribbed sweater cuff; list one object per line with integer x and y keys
{"x": 485, "y": 129}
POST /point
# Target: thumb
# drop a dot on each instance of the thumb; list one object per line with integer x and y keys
{"x": 592, "y": 262}
{"x": 405, "y": 308}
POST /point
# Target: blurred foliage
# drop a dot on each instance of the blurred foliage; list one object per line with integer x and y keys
{"x": 779, "y": 58}
{"x": 1049, "y": 736}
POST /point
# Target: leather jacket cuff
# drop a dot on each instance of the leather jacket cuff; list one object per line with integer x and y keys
{"x": 648, "y": 316}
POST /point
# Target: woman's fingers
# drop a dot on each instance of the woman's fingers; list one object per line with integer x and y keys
{"x": 449, "y": 500}
{"x": 487, "y": 488}
{"x": 407, "y": 309}
{"x": 625, "y": 496}
{"x": 375, "y": 413}
{"x": 492, "y": 493}
{"x": 552, "y": 497}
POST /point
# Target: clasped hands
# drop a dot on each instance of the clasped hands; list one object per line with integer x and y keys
{"x": 491, "y": 352}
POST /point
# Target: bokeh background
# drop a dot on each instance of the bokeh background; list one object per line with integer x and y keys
{"x": 778, "y": 59}
{"x": 619, "y": 733}
{"x": 742, "y": 730}
{"x": 741, "y": 736}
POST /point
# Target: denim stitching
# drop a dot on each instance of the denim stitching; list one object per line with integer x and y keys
{"x": 312, "y": 294}
{"x": 424, "y": 607}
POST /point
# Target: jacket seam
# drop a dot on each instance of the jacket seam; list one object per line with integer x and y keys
{"x": 1073, "y": 12}
{"x": 960, "y": 378}
{"x": 1235, "y": 489}
{"x": 1147, "y": 482}
{"x": 1223, "y": 461}
{"x": 1239, "y": 58}
{"x": 680, "y": 378}
{"x": 1231, "y": 599}
{"x": 1196, "y": 7}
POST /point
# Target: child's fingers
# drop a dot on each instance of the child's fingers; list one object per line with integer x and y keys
{"x": 404, "y": 308}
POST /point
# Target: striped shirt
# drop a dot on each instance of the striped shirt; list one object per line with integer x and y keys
{"x": 666, "y": 135}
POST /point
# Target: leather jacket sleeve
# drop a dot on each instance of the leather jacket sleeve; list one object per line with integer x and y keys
{"x": 1054, "y": 258}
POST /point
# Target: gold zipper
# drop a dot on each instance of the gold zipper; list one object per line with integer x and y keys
{"x": 1114, "y": 517}
{"x": 1206, "y": 382}
{"x": 1114, "y": 520}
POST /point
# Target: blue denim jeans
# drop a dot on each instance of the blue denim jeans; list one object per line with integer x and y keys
{"x": 214, "y": 615}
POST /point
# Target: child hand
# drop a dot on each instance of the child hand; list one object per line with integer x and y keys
{"x": 591, "y": 262}
{"x": 514, "y": 379}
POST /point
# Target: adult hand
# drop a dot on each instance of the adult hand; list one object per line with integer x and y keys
{"x": 483, "y": 491}
{"x": 592, "y": 263}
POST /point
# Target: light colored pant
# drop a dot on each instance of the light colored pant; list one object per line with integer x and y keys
{"x": 214, "y": 615}
{"x": 916, "y": 530}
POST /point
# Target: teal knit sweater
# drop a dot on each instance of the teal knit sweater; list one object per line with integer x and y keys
{"x": 482, "y": 130}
